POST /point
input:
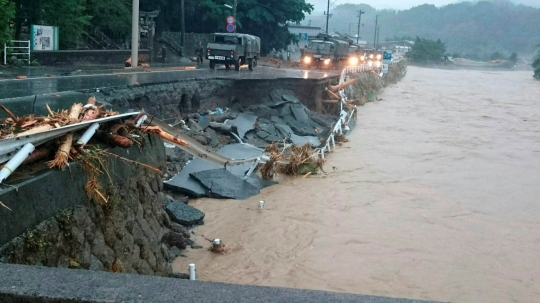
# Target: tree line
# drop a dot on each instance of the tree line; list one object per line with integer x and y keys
{"x": 267, "y": 19}
{"x": 472, "y": 29}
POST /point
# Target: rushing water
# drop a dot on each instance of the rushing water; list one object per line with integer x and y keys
{"x": 436, "y": 196}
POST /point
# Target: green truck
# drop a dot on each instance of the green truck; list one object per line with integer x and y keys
{"x": 233, "y": 49}
{"x": 325, "y": 51}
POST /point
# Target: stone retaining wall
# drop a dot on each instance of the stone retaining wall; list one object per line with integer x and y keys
{"x": 123, "y": 235}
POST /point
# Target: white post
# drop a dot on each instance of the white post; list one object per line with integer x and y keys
{"x": 261, "y": 204}
{"x": 14, "y": 163}
{"x": 192, "y": 271}
{"x": 135, "y": 34}
{"x": 5, "y": 54}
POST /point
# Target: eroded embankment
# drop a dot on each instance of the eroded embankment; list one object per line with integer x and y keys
{"x": 52, "y": 222}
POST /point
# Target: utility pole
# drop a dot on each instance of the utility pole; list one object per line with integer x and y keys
{"x": 234, "y": 14}
{"x": 183, "y": 23}
{"x": 327, "y": 16}
{"x": 360, "y": 13}
{"x": 375, "y": 35}
{"x": 378, "y": 34}
{"x": 135, "y": 34}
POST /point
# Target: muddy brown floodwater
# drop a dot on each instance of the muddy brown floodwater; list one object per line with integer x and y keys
{"x": 436, "y": 196}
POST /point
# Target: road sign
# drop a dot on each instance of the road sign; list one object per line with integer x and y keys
{"x": 384, "y": 69}
{"x": 230, "y": 28}
{"x": 230, "y": 20}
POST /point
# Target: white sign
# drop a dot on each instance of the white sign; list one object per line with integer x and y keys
{"x": 385, "y": 68}
{"x": 44, "y": 37}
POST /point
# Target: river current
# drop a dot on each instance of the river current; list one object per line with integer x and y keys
{"x": 436, "y": 196}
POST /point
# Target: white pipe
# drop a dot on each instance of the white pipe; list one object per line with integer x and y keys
{"x": 14, "y": 163}
{"x": 88, "y": 134}
{"x": 192, "y": 271}
{"x": 261, "y": 204}
{"x": 217, "y": 241}
{"x": 141, "y": 121}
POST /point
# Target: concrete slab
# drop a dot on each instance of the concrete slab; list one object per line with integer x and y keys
{"x": 285, "y": 130}
{"x": 184, "y": 183}
{"x": 221, "y": 184}
{"x": 244, "y": 122}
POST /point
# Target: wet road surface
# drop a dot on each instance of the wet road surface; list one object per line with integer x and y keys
{"x": 13, "y": 88}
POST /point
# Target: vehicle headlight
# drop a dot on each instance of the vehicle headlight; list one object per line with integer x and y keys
{"x": 353, "y": 61}
{"x": 327, "y": 61}
{"x": 379, "y": 57}
{"x": 363, "y": 58}
{"x": 371, "y": 56}
{"x": 377, "y": 64}
{"x": 307, "y": 60}
{"x": 370, "y": 63}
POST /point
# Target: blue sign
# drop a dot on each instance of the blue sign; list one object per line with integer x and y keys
{"x": 387, "y": 56}
{"x": 230, "y": 28}
{"x": 303, "y": 36}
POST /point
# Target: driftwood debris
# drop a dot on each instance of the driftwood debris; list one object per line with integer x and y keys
{"x": 336, "y": 88}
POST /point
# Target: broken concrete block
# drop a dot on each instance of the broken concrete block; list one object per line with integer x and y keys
{"x": 220, "y": 183}
{"x": 184, "y": 214}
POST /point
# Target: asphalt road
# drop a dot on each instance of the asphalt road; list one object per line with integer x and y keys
{"x": 20, "y": 283}
{"x": 13, "y": 88}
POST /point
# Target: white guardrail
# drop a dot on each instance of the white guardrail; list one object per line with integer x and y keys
{"x": 344, "y": 117}
{"x": 19, "y": 48}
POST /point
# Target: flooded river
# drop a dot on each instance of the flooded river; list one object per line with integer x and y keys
{"x": 436, "y": 196}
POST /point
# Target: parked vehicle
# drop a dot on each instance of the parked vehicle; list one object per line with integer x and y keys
{"x": 325, "y": 51}
{"x": 233, "y": 49}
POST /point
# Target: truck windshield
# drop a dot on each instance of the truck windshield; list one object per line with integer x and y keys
{"x": 320, "y": 45}
{"x": 225, "y": 39}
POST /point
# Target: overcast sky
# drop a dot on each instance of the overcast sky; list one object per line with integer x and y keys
{"x": 320, "y": 5}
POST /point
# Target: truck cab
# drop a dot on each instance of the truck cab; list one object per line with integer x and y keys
{"x": 325, "y": 52}
{"x": 233, "y": 49}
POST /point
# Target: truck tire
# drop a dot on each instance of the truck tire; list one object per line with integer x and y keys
{"x": 212, "y": 64}
{"x": 254, "y": 62}
{"x": 250, "y": 64}
{"x": 237, "y": 65}
{"x": 227, "y": 66}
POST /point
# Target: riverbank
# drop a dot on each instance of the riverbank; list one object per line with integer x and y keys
{"x": 433, "y": 197}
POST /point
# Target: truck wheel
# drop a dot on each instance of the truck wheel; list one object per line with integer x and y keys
{"x": 212, "y": 64}
{"x": 237, "y": 65}
{"x": 227, "y": 66}
{"x": 250, "y": 64}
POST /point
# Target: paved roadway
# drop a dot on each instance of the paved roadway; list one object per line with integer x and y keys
{"x": 13, "y": 88}
{"x": 21, "y": 283}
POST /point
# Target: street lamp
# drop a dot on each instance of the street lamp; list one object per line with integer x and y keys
{"x": 226, "y": 5}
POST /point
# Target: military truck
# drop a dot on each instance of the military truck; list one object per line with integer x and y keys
{"x": 325, "y": 51}
{"x": 233, "y": 49}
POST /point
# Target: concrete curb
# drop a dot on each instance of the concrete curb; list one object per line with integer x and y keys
{"x": 21, "y": 284}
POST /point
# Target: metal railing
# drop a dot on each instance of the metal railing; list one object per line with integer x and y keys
{"x": 344, "y": 117}
{"x": 18, "y": 50}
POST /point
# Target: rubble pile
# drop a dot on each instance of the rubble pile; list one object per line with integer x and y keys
{"x": 284, "y": 122}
